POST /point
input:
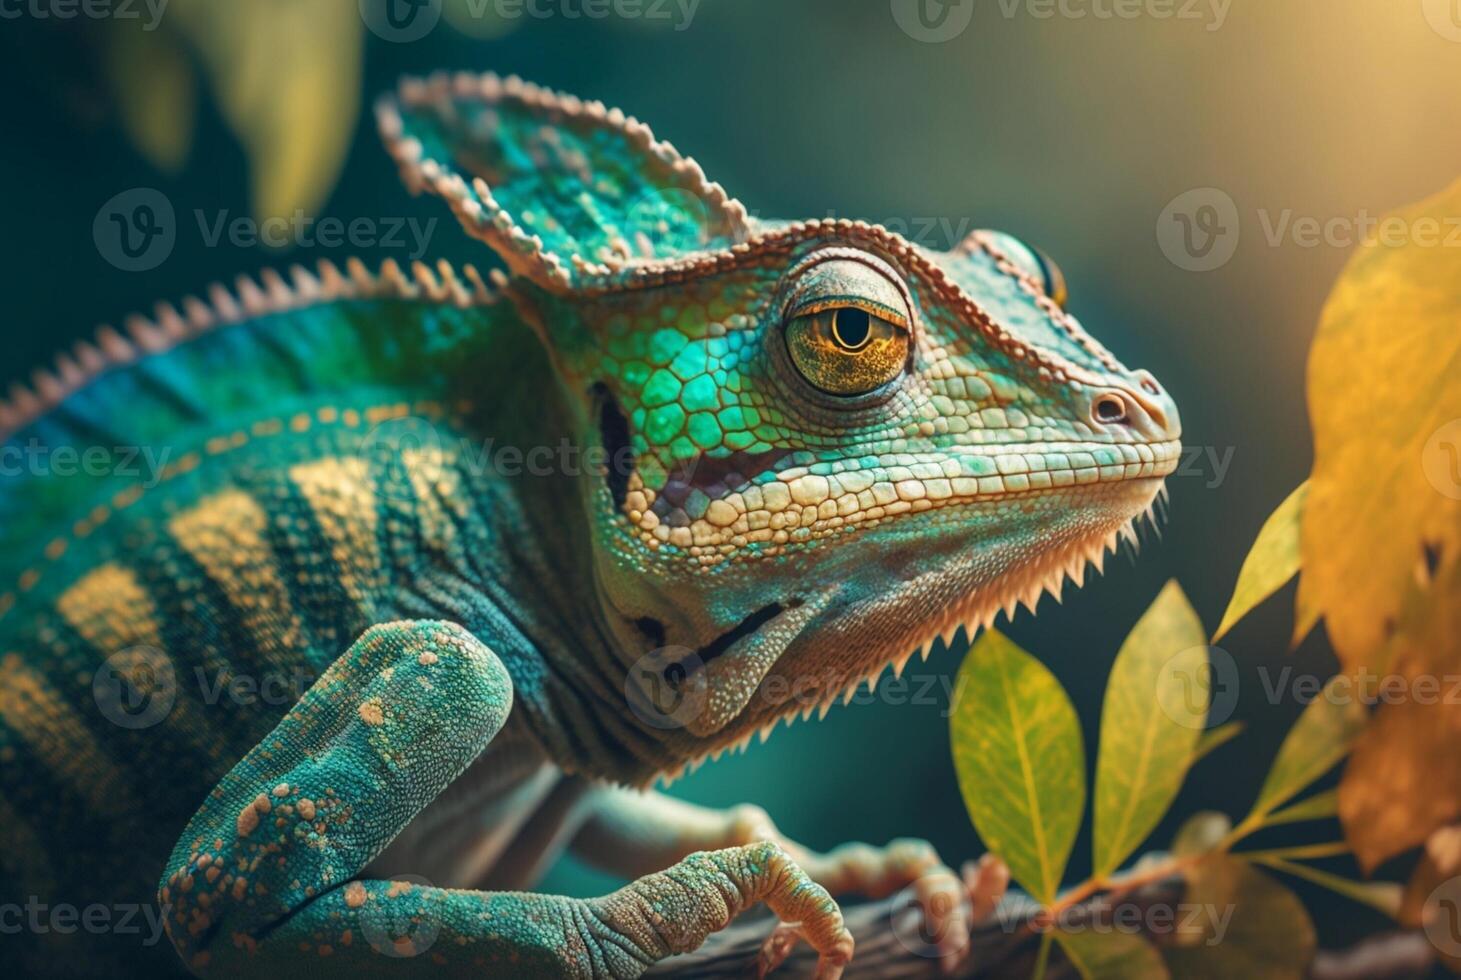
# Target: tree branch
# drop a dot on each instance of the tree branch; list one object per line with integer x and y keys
{"x": 890, "y": 947}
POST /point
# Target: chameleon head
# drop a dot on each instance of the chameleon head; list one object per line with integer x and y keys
{"x": 827, "y": 445}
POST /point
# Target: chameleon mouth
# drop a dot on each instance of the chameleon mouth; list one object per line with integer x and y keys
{"x": 799, "y": 506}
{"x": 738, "y": 679}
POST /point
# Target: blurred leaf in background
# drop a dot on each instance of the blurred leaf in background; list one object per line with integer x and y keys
{"x": 291, "y": 98}
{"x": 1381, "y": 542}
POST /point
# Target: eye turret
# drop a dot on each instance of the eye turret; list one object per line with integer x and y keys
{"x": 1036, "y": 264}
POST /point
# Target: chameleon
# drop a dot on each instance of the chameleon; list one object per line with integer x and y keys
{"x": 439, "y": 574}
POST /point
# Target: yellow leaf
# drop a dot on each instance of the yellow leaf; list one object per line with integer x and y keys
{"x": 287, "y": 76}
{"x": 1385, "y": 400}
{"x": 156, "y": 91}
{"x": 1272, "y": 562}
{"x": 1402, "y": 783}
{"x": 1381, "y": 533}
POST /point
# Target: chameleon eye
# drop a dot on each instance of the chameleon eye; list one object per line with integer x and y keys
{"x": 844, "y": 349}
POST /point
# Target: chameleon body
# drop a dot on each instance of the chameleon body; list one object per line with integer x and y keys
{"x": 424, "y": 553}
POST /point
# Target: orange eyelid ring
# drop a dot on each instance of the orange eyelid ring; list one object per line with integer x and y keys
{"x": 813, "y": 307}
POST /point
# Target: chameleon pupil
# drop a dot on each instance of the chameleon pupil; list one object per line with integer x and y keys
{"x": 851, "y": 327}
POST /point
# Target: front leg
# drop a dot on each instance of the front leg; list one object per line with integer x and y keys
{"x": 262, "y": 882}
{"x": 632, "y": 833}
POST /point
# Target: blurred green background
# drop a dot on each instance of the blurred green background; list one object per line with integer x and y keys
{"x": 1073, "y": 131}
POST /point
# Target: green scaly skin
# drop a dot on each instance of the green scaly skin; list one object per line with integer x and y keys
{"x": 457, "y": 663}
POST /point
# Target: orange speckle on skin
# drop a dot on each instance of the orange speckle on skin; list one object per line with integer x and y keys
{"x": 371, "y": 712}
{"x": 427, "y": 659}
{"x": 307, "y": 809}
{"x": 248, "y": 819}
{"x": 56, "y": 549}
{"x": 354, "y": 897}
{"x": 282, "y": 789}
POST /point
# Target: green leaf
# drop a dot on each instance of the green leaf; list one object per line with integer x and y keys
{"x": 1111, "y": 955}
{"x": 1318, "y": 740}
{"x": 1214, "y": 739}
{"x": 1020, "y": 761}
{"x": 1272, "y": 562}
{"x": 1239, "y": 922}
{"x": 1151, "y": 722}
{"x": 1383, "y": 896}
{"x": 1320, "y": 806}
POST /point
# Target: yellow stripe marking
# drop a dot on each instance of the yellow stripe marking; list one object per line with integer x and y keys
{"x": 59, "y": 737}
{"x": 111, "y": 610}
{"x": 225, "y": 534}
{"x": 437, "y": 486}
{"x": 340, "y": 493}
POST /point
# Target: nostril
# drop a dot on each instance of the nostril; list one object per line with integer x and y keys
{"x": 1110, "y": 409}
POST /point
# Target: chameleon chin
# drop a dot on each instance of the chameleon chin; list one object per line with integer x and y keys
{"x": 827, "y": 447}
